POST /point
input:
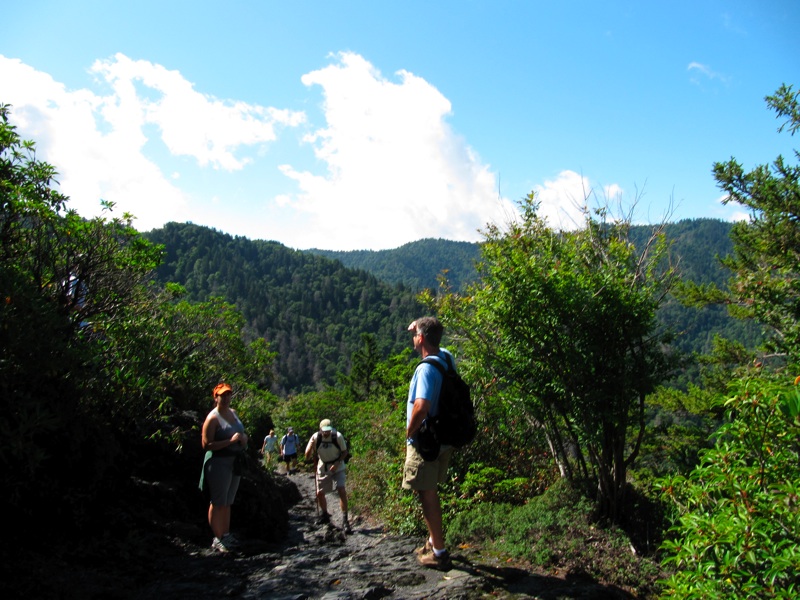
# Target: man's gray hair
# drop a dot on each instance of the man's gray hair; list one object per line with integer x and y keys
{"x": 431, "y": 328}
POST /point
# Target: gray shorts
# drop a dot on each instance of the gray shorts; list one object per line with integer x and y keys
{"x": 220, "y": 481}
{"x": 421, "y": 474}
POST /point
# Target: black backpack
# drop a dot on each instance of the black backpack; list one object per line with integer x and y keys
{"x": 455, "y": 424}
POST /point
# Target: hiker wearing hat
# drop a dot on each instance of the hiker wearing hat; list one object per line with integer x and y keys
{"x": 330, "y": 448}
{"x": 289, "y": 444}
{"x": 424, "y": 476}
{"x": 224, "y": 440}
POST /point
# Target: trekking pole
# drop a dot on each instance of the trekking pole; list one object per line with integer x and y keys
{"x": 316, "y": 486}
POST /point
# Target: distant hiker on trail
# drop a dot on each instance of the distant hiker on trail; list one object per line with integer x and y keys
{"x": 269, "y": 447}
{"x": 330, "y": 448}
{"x": 224, "y": 440}
{"x": 289, "y": 444}
{"x": 418, "y": 474}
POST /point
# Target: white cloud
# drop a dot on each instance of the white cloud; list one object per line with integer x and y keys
{"x": 394, "y": 169}
{"x": 730, "y": 212}
{"x": 96, "y": 142}
{"x": 390, "y": 168}
{"x": 192, "y": 124}
{"x": 562, "y": 200}
{"x": 696, "y": 68}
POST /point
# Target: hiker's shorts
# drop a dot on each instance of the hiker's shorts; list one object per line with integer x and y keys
{"x": 421, "y": 474}
{"x": 220, "y": 481}
{"x": 331, "y": 481}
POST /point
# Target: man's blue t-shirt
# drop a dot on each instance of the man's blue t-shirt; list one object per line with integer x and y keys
{"x": 289, "y": 443}
{"x": 426, "y": 383}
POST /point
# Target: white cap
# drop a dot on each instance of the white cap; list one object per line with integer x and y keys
{"x": 325, "y": 425}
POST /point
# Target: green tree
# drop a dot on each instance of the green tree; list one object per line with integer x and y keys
{"x": 94, "y": 360}
{"x": 737, "y": 532}
{"x": 738, "y": 528}
{"x": 766, "y": 260}
{"x": 362, "y": 380}
{"x": 64, "y": 280}
{"x": 562, "y": 326}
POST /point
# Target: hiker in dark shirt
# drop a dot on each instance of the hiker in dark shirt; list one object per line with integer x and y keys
{"x": 289, "y": 444}
{"x": 418, "y": 474}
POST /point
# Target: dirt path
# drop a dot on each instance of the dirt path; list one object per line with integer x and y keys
{"x": 322, "y": 562}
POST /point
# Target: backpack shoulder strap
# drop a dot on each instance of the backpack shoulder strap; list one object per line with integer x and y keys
{"x": 432, "y": 361}
{"x": 449, "y": 359}
{"x": 334, "y": 440}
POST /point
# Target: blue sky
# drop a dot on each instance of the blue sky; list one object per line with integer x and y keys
{"x": 367, "y": 124}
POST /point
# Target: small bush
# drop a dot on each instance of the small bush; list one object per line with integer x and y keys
{"x": 556, "y": 531}
{"x": 738, "y": 530}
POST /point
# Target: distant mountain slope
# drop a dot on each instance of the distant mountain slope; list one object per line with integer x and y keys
{"x": 416, "y": 264}
{"x": 419, "y": 264}
{"x": 697, "y": 244}
{"x": 312, "y": 310}
{"x": 312, "y": 306}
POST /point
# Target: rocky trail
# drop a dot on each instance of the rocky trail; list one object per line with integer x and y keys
{"x": 321, "y": 562}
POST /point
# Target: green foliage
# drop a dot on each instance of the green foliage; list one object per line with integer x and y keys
{"x": 374, "y": 426}
{"x": 96, "y": 363}
{"x": 562, "y": 326}
{"x": 416, "y": 265}
{"x": 555, "y": 531}
{"x": 678, "y": 428}
{"x": 64, "y": 281}
{"x": 311, "y": 310}
{"x": 697, "y": 245}
{"x": 489, "y": 484}
{"x": 766, "y": 259}
{"x": 738, "y": 529}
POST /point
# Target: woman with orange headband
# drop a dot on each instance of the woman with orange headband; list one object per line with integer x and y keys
{"x": 224, "y": 440}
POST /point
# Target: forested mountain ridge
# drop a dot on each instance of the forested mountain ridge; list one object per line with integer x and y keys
{"x": 419, "y": 264}
{"x": 415, "y": 264}
{"x": 312, "y": 310}
{"x": 697, "y": 244}
{"x": 312, "y": 306}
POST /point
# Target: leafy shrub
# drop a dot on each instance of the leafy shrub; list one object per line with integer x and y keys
{"x": 555, "y": 531}
{"x": 482, "y": 483}
{"x": 738, "y": 530}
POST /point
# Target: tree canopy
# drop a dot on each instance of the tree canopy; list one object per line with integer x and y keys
{"x": 562, "y": 326}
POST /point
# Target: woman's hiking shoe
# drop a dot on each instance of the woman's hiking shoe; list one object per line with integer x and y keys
{"x": 441, "y": 562}
{"x": 230, "y": 541}
{"x": 346, "y": 526}
{"x": 323, "y": 519}
{"x": 219, "y": 546}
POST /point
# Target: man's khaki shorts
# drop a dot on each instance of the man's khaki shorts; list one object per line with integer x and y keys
{"x": 419, "y": 474}
{"x": 331, "y": 481}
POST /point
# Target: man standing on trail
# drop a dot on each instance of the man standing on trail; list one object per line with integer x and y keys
{"x": 418, "y": 474}
{"x": 289, "y": 444}
{"x": 330, "y": 448}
